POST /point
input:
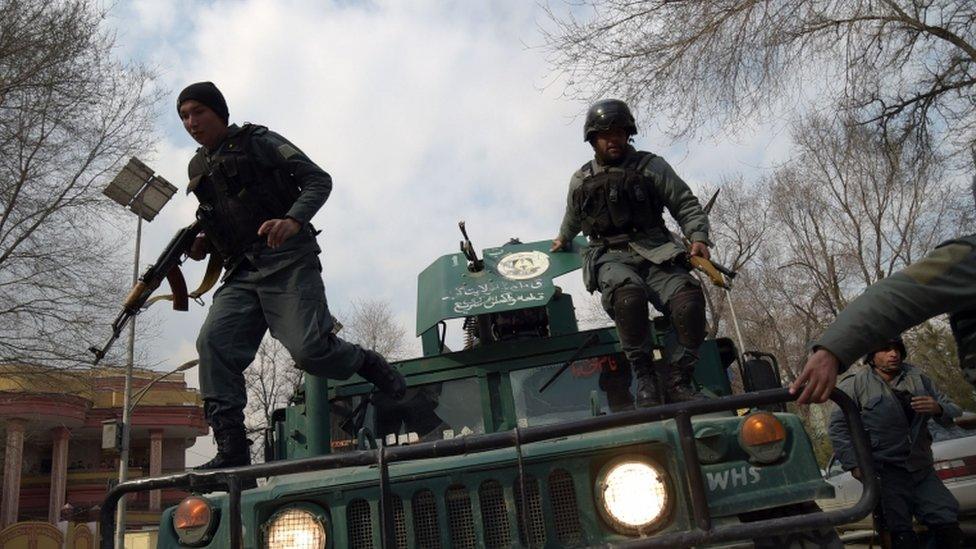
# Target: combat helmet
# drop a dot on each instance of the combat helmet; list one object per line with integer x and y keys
{"x": 606, "y": 114}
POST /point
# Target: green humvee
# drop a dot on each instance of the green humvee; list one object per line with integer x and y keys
{"x": 525, "y": 438}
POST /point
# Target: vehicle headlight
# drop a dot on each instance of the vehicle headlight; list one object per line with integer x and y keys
{"x": 194, "y": 521}
{"x": 633, "y": 494}
{"x": 298, "y": 527}
{"x": 763, "y": 437}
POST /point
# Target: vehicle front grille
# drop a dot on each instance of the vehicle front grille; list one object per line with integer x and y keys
{"x": 536, "y": 534}
{"x": 565, "y": 513}
{"x": 359, "y": 524}
{"x": 400, "y": 523}
{"x": 445, "y": 517}
{"x": 494, "y": 515}
{"x": 459, "y": 517}
{"x": 425, "y": 528}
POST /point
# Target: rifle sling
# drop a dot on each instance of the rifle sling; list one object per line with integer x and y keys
{"x": 210, "y": 278}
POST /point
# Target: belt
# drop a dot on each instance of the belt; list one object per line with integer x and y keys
{"x": 616, "y": 242}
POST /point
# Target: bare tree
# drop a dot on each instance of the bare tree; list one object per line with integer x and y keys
{"x": 271, "y": 380}
{"x": 372, "y": 324}
{"x": 70, "y": 114}
{"x": 848, "y": 209}
{"x": 740, "y": 224}
{"x": 906, "y": 63}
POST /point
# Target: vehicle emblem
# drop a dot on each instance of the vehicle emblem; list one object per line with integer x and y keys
{"x": 523, "y": 265}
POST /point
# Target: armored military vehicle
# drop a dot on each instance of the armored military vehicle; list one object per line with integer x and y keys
{"x": 526, "y": 437}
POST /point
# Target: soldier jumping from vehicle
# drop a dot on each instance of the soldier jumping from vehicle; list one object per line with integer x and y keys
{"x": 257, "y": 194}
{"x": 617, "y": 200}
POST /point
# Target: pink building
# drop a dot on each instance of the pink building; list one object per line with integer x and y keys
{"x": 51, "y": 423}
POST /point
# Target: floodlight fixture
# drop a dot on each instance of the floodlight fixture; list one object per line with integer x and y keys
{"x": 137, "y": 188}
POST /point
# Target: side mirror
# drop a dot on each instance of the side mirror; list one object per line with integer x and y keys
{"x": 760, "y": 371}
{"x": 269, "y": 445}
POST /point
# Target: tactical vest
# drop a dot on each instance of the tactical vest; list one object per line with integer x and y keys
{"x": 619, "y": 200}
{"x": 238, "y": 190}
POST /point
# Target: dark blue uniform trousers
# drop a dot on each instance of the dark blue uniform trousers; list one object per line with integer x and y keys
{"x": 291, "y": 303}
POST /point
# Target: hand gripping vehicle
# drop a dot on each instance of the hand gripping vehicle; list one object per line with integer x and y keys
{"x": 527, "y": 437}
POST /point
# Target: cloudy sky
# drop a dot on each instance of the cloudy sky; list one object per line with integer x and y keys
{"x": 423, "y": 112}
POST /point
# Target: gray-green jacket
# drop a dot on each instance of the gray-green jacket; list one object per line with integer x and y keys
{"x": 944, "y": 281}
{"x": 893, "y": 438}
{"x": 656, "y": 245}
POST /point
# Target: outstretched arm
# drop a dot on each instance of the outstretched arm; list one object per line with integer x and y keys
{"x": 942, "y": 282}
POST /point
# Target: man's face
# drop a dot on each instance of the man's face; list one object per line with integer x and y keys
{"x": 202, "y": 123}
{"x": 610, "y": 145}
{"x": 888, "y": 359}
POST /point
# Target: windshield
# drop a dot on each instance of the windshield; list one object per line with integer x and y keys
{"x": 432, "y": 411}
{"x": 588, "y": 387}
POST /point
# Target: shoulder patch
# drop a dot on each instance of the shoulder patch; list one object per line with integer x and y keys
{"x": 937, "y": 263}
{"x": 287, "y": 151}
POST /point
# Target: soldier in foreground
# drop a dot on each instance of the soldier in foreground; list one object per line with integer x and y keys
{"x": 896, "y": 402}
{"x": 257, "y": 194}
{"x": 942, "y": 282}
{"x": 617, "y": 200}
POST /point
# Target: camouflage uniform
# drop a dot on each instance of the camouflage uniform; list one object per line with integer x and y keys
{"x": 944, "y": 281}
{"x": 651, "y": 261}
{"x": 901, "y": 448}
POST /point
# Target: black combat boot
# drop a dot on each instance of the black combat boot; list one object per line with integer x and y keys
{"x": 233, "y": 449}
{"x": 946, "y": 536}
{"x": 620, "y": 399}
{"x": 648, "y": 388}
{"x": 615, "y": 381}
{"x": 377, "y": 370}
{"x": 678, "y": 386}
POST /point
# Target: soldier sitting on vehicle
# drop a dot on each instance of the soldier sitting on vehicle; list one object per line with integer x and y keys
{"x": 896, "y": 402}
{"x": 617, "y": 200}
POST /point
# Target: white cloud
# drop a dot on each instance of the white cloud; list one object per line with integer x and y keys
{"x": 423, "y": 112}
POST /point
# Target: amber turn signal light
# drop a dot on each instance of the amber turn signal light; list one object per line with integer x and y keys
{"x": 762, "y": 428}
{"x": 192, "y": 512}
{"x": 763, "y": 437}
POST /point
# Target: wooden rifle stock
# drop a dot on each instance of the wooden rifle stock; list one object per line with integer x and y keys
{"x": 714, "y": 271}
{"x": 166, "y": 266}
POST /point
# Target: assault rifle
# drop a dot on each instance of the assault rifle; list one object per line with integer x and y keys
{"x": 167, "y": 267}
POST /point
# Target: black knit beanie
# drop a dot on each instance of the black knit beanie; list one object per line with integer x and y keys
{"x": 208, "y": 94}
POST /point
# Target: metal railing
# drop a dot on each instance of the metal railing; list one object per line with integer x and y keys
{"x": 704, "y": 531}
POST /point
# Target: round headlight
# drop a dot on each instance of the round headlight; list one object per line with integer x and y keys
{"x": 633, "y": 495}
{"x": 295, "y": 528}
{"x": 193, "y": 520}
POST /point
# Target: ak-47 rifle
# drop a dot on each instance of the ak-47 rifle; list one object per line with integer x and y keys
{"x": 713, "y": 270}
{"x": 167, "y": 267}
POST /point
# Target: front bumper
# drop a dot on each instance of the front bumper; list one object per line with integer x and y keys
{"x": 699, "y": 527}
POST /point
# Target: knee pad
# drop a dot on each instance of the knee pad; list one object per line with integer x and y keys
{"x": 687, "y": 309}
{"x": 631, "y": 314}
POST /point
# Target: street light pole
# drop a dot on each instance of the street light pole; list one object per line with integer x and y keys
{"x": 145, "y": 389}
{"x": 137, "y": 188}
{"x": 126, "y": 395}
{"x": 130, "y": 405}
